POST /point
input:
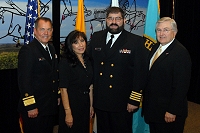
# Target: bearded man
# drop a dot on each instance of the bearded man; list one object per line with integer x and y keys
{"x": 120, "y": 68}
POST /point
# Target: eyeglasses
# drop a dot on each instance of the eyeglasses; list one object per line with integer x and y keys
{"x": 164, "y": 30}
{"x": 45, "y": 30}
{"x": 117, "y": 19}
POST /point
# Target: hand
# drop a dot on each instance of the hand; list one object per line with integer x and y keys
{"x": 68, "y": 118}
{"x": 33, "y": 113}
{"x": 91, "y": 112}
{"x": 131, "y": 107}
{"x": 169, "y": 117}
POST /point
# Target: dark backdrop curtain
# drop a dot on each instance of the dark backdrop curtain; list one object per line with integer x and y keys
{"x": 9, "y": 97}
{"x": 187, "y": 16}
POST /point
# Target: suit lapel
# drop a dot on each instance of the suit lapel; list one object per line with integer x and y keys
{"x": 53, "y": 54}
{"x": 155, "y": 47}
{"x": 164, "y": 54}
{"x": 101, "y": 45}
{"x": 43, "y": 51}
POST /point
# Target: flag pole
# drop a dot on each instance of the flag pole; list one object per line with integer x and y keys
{"x": 38, "y": 8}
{"x": 173, "y": 11}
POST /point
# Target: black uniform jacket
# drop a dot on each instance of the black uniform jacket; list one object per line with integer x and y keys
{"x": 119, "y": 75}
{"x": 168, "y": 83}
{"x": 38, "y": 79}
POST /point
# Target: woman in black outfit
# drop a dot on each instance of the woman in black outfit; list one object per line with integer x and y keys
{"x": 75, "y": 74}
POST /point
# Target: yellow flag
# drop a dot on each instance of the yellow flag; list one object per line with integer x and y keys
{"x": 80, "y": 18}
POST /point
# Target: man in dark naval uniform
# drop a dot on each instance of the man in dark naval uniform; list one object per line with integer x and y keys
{"x": 38, "y": 80}
{"x": 120, "y": 68}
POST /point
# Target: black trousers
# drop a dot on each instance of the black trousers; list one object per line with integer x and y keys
{"x": 174, "y": 127}
{"x": 40, "y": 124}
{"x": 114, "y": 122}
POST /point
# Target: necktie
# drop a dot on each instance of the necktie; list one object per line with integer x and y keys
{"x": 109, "y": 42}
{"x": 47, "y": 49}
{"x": 157, "y": 55}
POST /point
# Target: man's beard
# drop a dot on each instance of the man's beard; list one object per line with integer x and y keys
{"x": 115, "y": 31}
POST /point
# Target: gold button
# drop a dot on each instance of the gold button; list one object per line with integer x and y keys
{"x": 110, "y": 86}
{"x": 53, "y": 81}
{"x": 57, "y": 70}
{"x": 53, "y": 90}
{"x": 101, "y": 74}
{"x": 111, "y": 76}
{"x": 112, "y": 65}
{"x": 102, "y": 63}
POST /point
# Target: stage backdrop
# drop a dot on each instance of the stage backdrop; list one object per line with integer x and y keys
{"x": 95, "y": 13}
{"x": 12, "y": 27}
{"x": 13, "y": 17}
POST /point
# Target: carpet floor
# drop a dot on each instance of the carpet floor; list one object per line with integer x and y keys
{"x": 192, "y": 124}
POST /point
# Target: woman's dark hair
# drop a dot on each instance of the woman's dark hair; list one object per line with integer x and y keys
{"x": 68, "y": 51}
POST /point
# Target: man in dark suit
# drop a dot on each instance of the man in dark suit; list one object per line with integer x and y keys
{"x": 165, "y": 95}
{"x": 38, "y": 80}
{"x": 119, "y": 73}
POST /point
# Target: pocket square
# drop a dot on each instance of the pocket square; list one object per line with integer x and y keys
{"x": 41, "y": 59}
{"x": 97, "y": 49}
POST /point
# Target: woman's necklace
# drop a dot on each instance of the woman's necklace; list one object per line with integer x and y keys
{"x": 82, "y": 62}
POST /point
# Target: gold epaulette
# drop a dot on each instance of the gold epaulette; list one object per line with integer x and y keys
{"x": 29, "y": 100}
{"x": 135, "y": 96}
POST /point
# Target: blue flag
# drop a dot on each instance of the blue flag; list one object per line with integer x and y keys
{"x": 31, "y": 16}
{"x": 139, "y": 125}
{"x": 152, "y": 16}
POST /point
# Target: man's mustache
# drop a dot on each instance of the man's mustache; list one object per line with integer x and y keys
{"x": 113, "y": 24}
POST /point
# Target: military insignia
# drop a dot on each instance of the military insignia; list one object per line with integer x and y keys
{"x": 41, "y": 59}
{"x": 135, "y": 96}
{"x": 97, "y": 49}
{"x": 125, "y": 51}
{"x": 29, "y": 100}
{"x": 26, "y": 94}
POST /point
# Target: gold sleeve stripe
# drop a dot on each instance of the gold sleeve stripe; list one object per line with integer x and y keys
{"x": 29, "y": 100}
{"x": 135, "y": 96}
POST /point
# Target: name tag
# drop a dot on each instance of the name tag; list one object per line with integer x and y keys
{"x": 97, "y": 49}
{"x": 41, "y": 59}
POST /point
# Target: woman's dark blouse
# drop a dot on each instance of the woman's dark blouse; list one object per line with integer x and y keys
{"x": 77, "y": 80}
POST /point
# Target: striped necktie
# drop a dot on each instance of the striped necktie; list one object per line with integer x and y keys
{"x": 159, "y": 51}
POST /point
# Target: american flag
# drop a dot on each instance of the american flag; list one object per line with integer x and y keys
{"x": 31, "y": 16}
